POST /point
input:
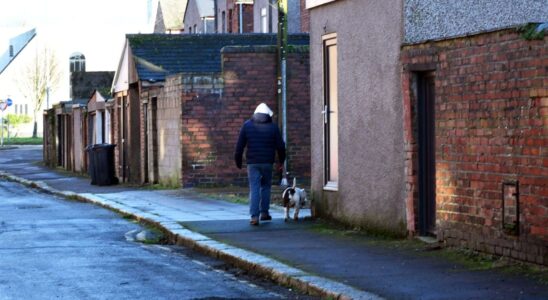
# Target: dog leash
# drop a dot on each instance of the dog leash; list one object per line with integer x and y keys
{"x": 283, "y": 181}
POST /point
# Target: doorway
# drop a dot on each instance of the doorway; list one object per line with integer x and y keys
{"x": 153, "y": 129}
{"x": 426, "y": 149}
{"x": 146, "y": 118}
{"x": 330, "y": 113}
{"x": 122, "y": 136}
{"x": 60, "y": 141}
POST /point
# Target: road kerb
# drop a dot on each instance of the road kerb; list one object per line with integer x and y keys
{"x": 252, "y": 262}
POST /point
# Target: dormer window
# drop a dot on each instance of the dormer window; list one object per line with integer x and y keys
{"x": 11, "y": 51}
{"x": 77, "y": 62}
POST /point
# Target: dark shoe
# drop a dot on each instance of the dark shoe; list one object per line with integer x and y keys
{"x": 254, "y": 221}
{"x": 266, "y": 217}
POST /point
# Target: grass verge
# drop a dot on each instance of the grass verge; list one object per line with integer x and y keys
{"x": 233, "y": 195}
{"x": 23, "y": 141}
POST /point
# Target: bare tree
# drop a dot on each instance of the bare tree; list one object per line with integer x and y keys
{"x": 39, "y": 77}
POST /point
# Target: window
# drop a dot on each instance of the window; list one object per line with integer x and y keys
{"x": 264, "y": 20}
{"x": 26, "y": 109}
{"x": 230, "y": 17}
{"x": 223, "y": 21}
{"x": 330, "y": 113}
{"x": 77, "y": 62}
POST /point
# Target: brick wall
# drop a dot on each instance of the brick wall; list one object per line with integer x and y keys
{"x": 247, "y": 17}
{"x": 212, "y": 118}
{"x": 305, "y": 17}
{"x": 207, "y": 140}
{"x": 491, "y": 120}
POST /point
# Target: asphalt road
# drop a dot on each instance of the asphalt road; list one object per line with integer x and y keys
{"x": 53, "y": 248}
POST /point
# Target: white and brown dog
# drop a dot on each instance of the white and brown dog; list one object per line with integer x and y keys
{"x": 294, "y": 197}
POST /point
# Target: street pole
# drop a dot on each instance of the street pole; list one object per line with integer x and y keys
{"x": 282, "y": 75}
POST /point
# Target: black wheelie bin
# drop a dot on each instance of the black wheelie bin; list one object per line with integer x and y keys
{"x": 102, "y": 159}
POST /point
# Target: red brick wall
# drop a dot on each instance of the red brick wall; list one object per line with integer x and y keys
{"x": 207, "y": 139}
{"x": 491, "y": 120}
{"x": 211, "y": 122}
{"x": 305, "y": 17}
{"x": 247, "y": 17}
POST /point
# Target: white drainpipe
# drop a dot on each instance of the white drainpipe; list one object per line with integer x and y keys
{"x": 241, "y": 19}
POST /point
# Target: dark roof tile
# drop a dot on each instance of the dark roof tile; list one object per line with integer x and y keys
{"x": 158, "y": 55}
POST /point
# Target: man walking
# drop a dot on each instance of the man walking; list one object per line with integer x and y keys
{"x": 262, "y": 139}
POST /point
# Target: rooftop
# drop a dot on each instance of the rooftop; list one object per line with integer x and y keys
{"x": 158, "y": 55}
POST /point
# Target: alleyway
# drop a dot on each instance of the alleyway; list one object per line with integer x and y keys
{"x": 315, "y": 255}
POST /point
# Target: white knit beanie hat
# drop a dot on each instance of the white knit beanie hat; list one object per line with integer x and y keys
{"x": 264, "y": 109}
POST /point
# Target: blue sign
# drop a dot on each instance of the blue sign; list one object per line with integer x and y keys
{"x": 9, "y": 102}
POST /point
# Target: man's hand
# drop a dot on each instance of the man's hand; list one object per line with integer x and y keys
{"x": 279, "y": 167}
{"x": 238, "y": 161}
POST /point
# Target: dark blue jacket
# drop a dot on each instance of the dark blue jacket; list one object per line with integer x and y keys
{"x": 262, "y": 139}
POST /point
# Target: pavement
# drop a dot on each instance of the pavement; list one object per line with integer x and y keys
{"x": 309, "y": 255}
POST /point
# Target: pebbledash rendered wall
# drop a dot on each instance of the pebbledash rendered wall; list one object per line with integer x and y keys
{"x": 491, "y": 141}
{"x": 215, "y": 106}
{"x": 441, "y": 19}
